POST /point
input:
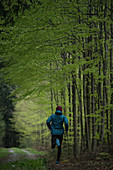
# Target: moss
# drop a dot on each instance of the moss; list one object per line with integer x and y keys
{"x": 3, "y": 152}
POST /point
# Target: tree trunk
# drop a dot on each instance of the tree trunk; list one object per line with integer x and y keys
{"x": 51, "y": 90}
{"x": 75, "y": 149}
{"x": 85, "y": 138}
{"x": 105, "y": 68}
{"x": 80, "y": 109}
{"x": 88, "y": 110}
{"x": 100, "y": 127}
{"x": 111, "y": 73}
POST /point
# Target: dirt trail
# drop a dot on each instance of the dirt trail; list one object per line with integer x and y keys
{"x": 16, "y": 156}
{"x": 30, "y": 155}
{"x": 13, "y": 156}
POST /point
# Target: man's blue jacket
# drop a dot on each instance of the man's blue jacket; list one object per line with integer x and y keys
{"x": 56, "y": 121}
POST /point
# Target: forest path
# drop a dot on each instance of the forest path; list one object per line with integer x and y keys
{"x": 16, "y": 156}
{"x": 97, "y": 163}
{"x": 86, "y": 161}
{"x": 13, "y": 156}
{"x": 29, "y": 155}
{"x": 85, "y": 165}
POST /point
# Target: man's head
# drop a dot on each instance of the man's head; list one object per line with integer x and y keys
{"x": 59, "y": 108}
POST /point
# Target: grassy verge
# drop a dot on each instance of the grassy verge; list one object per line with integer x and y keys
{"x": 35, "y": 151}
{"x": 3, "y": 152}
{"x": 17, "y": 150}
{"x": 39, "y": 164}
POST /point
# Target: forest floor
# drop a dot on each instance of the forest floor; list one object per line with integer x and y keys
{"x": 102, "y": 159}
{"x": 82, "y": 165}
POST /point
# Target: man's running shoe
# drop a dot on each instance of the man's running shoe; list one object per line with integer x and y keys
{"x": 57, "y": 162}
{"x": 57, "y": 142}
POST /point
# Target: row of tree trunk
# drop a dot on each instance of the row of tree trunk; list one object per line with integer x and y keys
{"x": 90, "y": 87}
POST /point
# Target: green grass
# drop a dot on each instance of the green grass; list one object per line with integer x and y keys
{"x": 17, "y": 150}
{"x": 3, "y": 152}
{"x": 35, "y": 151}
{"x": 23, "y": 163}
{"x": 39, "y": 164}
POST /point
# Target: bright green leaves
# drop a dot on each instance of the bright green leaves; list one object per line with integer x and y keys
{"x": 40, "y": 34}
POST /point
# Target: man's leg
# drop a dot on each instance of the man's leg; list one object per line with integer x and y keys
{"x": 60, "y": 137}
{"x": 53, "y": 141}
{"x": 59, "y": 153}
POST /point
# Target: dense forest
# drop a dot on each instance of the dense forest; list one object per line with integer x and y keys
{"x": 56, "y": 52}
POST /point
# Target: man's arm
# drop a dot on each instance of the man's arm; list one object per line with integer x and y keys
{"x": 66, "y": 123}
{"x": 48, "y": 122}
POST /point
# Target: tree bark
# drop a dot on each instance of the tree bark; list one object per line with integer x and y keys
{"x": 111, "y": 74}
{"x": 51, "y": 90}
{"x": 75, "y": 149}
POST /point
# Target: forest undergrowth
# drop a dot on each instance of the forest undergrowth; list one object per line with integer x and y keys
{"x": 101, "y": 159}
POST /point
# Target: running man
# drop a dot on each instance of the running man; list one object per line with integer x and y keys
{"x": 55, "y": 124}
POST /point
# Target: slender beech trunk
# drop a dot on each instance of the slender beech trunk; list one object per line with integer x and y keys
{"x": 100, "y": 127}
{"x": 105, "y": 67}
{"x": 69, "y": 99}
{"x": 80, "y": 109}
{"x": 63, "y": 91}
{"x": 104, "y": 84}
{"x": 70, "y": 115}
{"x": 85, "y": 138}
{"x": 51, "y": 90}
{"x": 88, "y": 84}
{"x": 63, "y": 99}
{"x": 70, "y": 149}
{"x": 93, "y": 89}
{"x": 99, "y": 99}
{"x": 88, "y": 110}
{"x": 111, "y": 73}
{"x": 93, "y": 102}
{"x": 75, "y": 148}
{"x": 93, "y": 110}
{"x": 80, "y": 93}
